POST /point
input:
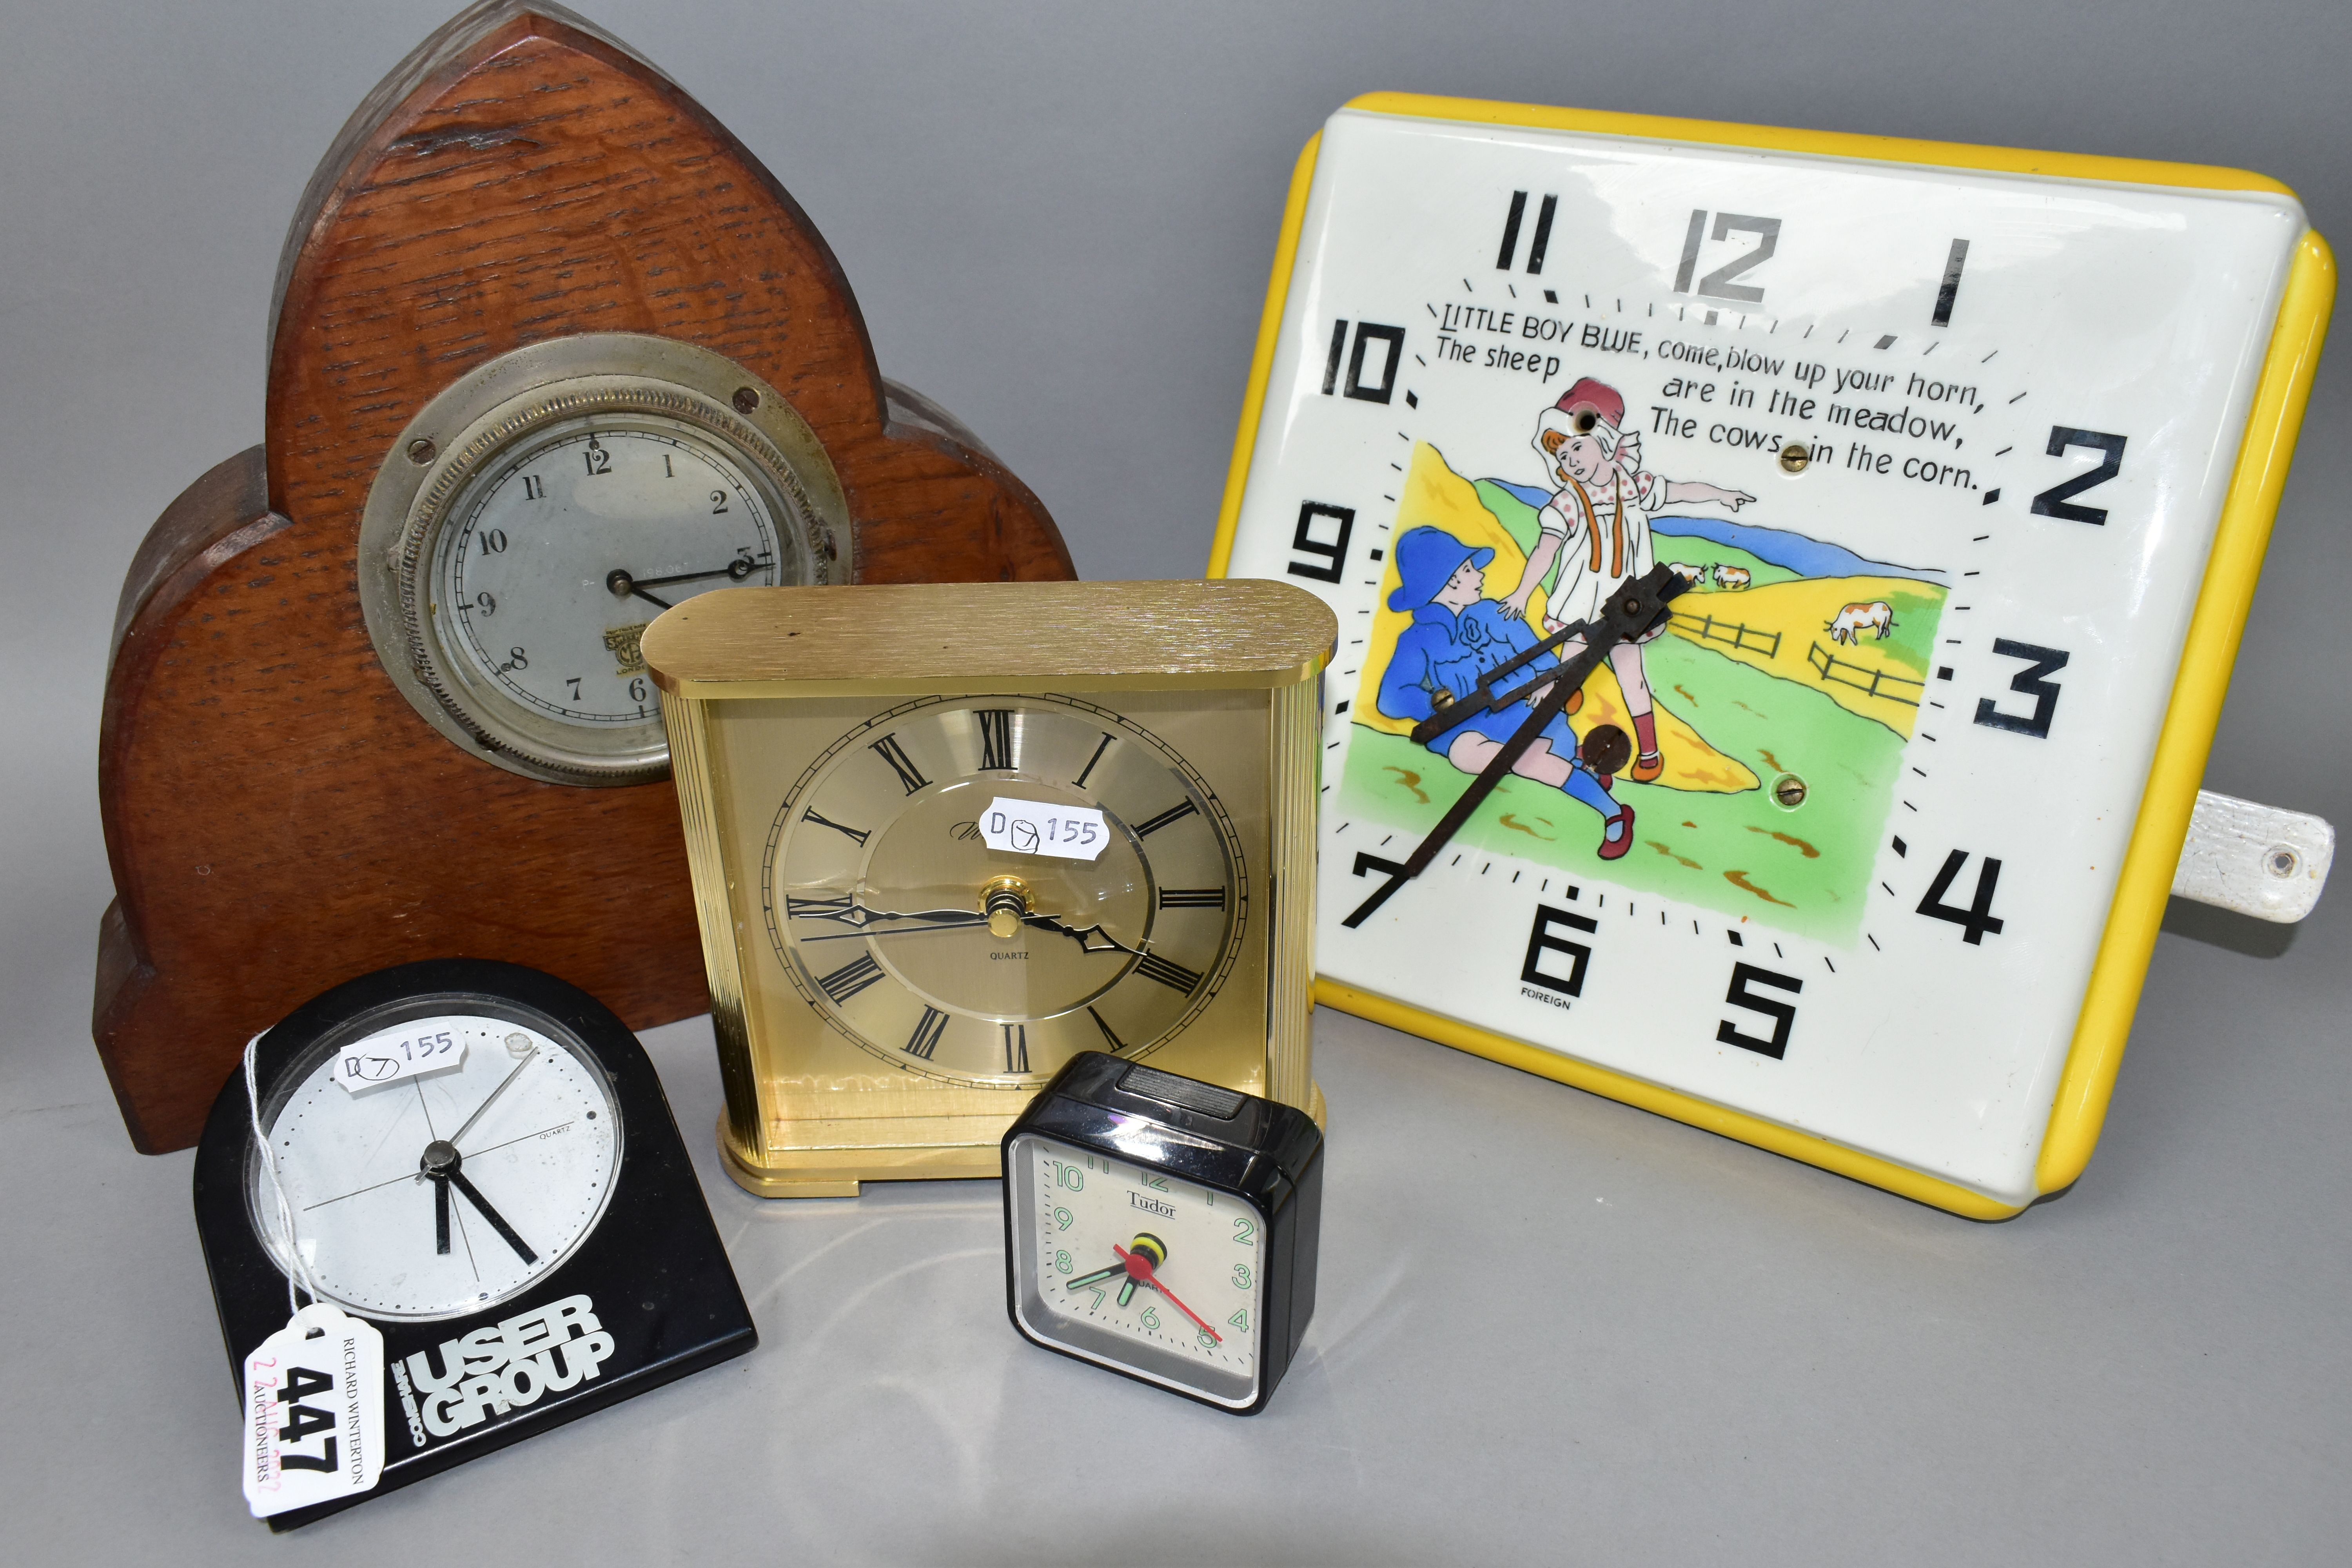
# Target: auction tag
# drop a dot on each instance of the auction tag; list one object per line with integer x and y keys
{"x": 414, "y": 1049}
{"x": 1033, "y": 828}
{"x": 314, "y": 1412}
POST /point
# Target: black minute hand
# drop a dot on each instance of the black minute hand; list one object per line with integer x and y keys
{"x": 1633, "y": 610}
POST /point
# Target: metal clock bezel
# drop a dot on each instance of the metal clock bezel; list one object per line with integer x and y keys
{"x": 461, "y": 434}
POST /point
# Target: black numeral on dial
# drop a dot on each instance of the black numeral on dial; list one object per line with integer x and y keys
{"x": 1977, "y": 921}
{"x": 1192, "y": 898}
{"x": 2038, "y": 662}
{"x": 1110, "y": 1038}
{"x": 2058, "y": 501}
{"x": 1538, "y": 245}
{"x": 1718, "y": 284}
{"x": 1173, "y": 814}
{"x": 860, "y": 834}
{"x": 851, "y": 978}
{"x": 1326, "y": 559}
{"x": 1366, "y": 333}
{"x": 928, "y": 1030}
{"x": 1016, "y": 1047}
{"x": 1174, "y": 976}
{"x": 1542, "y": 944}
{"x": 996, "y": 740}
{"x": 890, "y": 752}
{"x": 1744, "y": 977}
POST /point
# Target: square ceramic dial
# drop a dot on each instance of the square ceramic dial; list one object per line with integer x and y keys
{"x": 976, "y": 888}
{"x": 1164, "y": 1228}
{"x": 1966, "y": 458}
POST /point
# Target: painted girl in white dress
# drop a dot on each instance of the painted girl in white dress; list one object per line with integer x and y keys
{"x": 1603, "y": 509}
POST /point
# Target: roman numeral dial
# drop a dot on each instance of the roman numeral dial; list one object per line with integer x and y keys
{"x": 990, "y": 957}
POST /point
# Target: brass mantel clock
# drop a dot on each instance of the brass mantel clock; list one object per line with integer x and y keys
{"x": 945, "y": 838}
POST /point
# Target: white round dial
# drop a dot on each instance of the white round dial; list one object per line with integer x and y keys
{"x": 1139, "y": 1270}
{"x": 441, "y": 1193}
{"x": 561, "y": 555}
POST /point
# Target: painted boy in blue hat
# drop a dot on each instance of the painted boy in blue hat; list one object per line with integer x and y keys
{"x": 1456, "y": 636}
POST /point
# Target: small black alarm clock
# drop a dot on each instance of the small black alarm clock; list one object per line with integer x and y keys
{"x": 1163, "y": 1228}
{"x": 478, "y": 1159}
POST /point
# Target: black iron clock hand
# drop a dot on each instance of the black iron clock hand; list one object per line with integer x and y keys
{"x": 926, "y": 919}
{"x": 621, "y": 585}
{"x": 1083, "y": 1280}
{"x": 440, "y": 1217}
{"x": 1085, "y": 936}
{"x": 1631, "y": 612}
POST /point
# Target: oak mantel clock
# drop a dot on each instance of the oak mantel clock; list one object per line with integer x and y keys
{"x": 1957, "y": 464}
{"x": 550, "y": 352}
{"x": 947, "y": 836}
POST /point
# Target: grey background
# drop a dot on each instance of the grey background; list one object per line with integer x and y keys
{"x": 1550, "y": 1328}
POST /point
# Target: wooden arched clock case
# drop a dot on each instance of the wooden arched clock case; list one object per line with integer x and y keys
{"x": 551, "y": 352}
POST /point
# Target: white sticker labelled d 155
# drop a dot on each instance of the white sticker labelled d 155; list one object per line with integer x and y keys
{"x": 1033, "y": 828}
{"x": 417, "y": 1049}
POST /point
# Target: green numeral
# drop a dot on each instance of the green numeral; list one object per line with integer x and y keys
{"x": 1240, "y": 1275}
{"x": 1244, "y": 1232}
{"x": 1157, "y": 1183}
{"x": 1240, "y": 1319}
{"x": 1151, "y": 1319}
{"x": 1061, "y": 1263}
{"x": 1069, "y": 1176}
{"x": 1098, "y": 1297}
{"x": 1061, "y": 1219}
{"x": 1208, "y": 1341}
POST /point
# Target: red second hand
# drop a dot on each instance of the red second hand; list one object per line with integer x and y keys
{"x": 1140, "y": 1267}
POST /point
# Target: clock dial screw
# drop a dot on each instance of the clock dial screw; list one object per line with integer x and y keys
{"x": 1006, "y": 902}
{"x": 421, "y": 451}
{"x": 2284, "y": 861}
{"x": 1795, "y": 457}
{"x": 746, "y": 400}
{"x": 619, "y": 584}
{"x": 1789, "y": 791}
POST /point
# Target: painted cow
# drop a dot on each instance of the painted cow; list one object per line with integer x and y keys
{"x": 1694, "y": 575}
{"x": 1878, "y": 616}
{"x": 1732, "y": 576}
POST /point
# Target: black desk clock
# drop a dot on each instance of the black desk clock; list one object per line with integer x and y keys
{"x": 1163, "y": 1228}
{"x": 478, "y": 1159}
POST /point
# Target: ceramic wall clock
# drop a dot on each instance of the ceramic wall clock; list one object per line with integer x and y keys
{"x": 1963, "y": 459}
{"x": 550, "y": 352}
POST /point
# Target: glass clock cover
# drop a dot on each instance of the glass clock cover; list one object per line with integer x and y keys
{"x": 1164, "y": 1228}
{"x": 1948, "y": 451}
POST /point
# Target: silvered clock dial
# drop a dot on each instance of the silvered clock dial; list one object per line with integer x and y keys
{"x": 539, "y": 513}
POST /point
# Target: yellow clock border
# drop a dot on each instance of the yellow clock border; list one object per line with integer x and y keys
{"x": 2087, "y": 1081}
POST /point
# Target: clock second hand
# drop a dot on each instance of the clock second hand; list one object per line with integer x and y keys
{"x": 1139, "y": 1269}
{"x": 458, "y": 1136}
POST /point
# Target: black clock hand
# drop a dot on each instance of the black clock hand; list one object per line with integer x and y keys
{"x": 1083, "y": 1280}
{"x": 1085, "y": 936}
{"x": 621, "y": 585}
{"x": 440, "y": 1217}
{"x": 738, "y": 569}
{"x": 498, "y": 1221}
{"x": 930, "y": 920}
{"x": 455, "y": 1138}
{"x": 1631, "y": 611}
{"x": 1482, "y": 698}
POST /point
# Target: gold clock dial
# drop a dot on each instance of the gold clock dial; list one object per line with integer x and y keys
{"x": 946, "y": 954}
